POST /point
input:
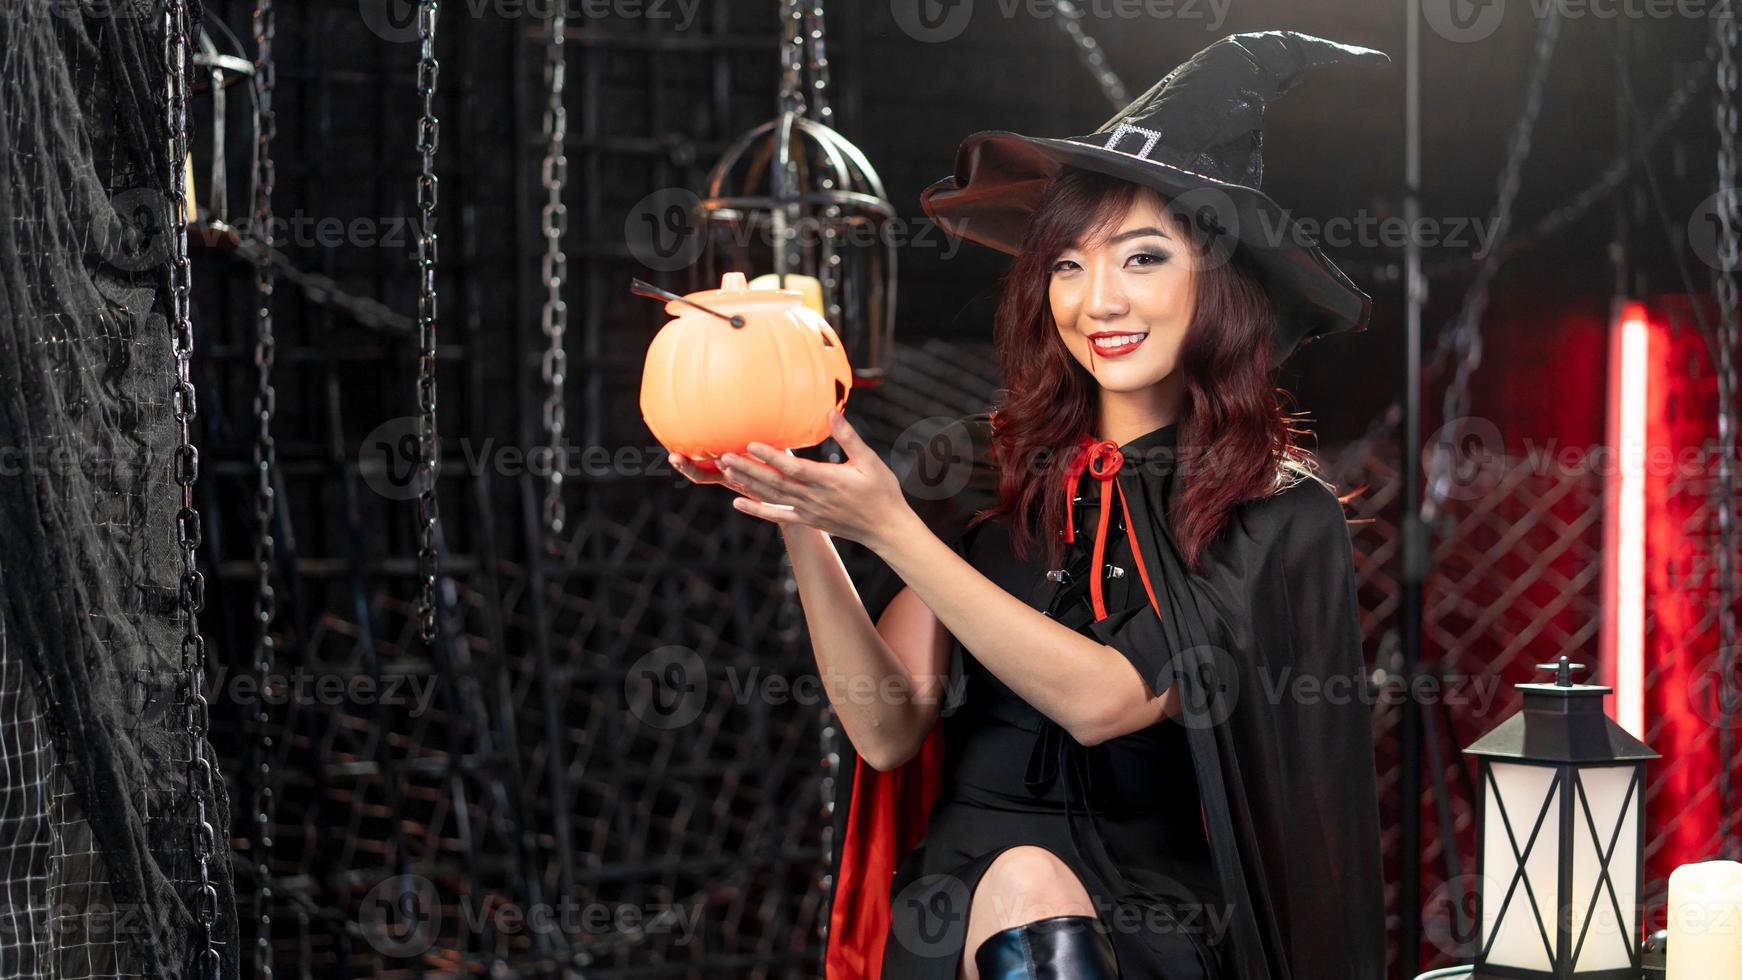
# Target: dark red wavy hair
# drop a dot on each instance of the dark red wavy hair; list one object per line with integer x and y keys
{"x": 1235, "y": 439}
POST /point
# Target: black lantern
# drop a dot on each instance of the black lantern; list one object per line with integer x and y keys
{"x": 1560, "y": 844}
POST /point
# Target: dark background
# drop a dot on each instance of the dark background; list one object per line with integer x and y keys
{"x": 526, "y": 782}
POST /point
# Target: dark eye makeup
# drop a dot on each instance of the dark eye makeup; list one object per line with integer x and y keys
{"x": 1156, "y": 259}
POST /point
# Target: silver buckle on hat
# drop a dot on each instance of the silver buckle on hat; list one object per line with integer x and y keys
{"x": 1150, "y": 136}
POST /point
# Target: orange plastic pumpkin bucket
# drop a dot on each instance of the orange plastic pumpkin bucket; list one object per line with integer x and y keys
{"x": 710, "y": 388}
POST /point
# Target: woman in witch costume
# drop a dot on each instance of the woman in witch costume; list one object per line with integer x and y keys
{"x": 1102, "y": 689}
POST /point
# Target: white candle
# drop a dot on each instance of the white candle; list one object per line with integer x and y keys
{"x": 1705, "y": 921}
{"x": 807, "y": 285}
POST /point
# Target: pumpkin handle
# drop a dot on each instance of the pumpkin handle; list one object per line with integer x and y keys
{"x": 649, "y": 290}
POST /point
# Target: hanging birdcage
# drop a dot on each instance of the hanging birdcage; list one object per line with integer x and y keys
{"x": 794, "y": 200}
{"x": 211, "y": 223}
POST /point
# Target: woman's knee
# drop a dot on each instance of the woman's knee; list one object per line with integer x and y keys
{"x": 1026, "y": 883}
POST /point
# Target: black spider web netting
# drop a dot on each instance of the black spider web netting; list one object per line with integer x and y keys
{"x": 95, "y": 816}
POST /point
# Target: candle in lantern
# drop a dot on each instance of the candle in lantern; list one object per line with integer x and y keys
{"x": 190, "y": 210}
{"x": 1705, "y": 921}
{"x": 811, "y": 289}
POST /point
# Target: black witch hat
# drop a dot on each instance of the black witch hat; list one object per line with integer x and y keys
{"x": 1197, "y": 137}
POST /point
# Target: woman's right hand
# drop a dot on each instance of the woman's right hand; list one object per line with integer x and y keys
{"x": 695, "y": 474}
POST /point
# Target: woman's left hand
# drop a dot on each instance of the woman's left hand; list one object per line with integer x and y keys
{"x": 857, "y": 500}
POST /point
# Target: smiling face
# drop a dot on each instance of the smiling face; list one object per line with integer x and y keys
{"x": 1122, "y": 303}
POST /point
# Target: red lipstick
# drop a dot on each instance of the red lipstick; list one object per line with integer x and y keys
{"x": 1123, "y": 348}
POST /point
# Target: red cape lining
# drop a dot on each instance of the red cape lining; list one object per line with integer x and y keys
{"x": 886, "y": 817}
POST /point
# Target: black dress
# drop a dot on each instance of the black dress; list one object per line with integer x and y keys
{"x": 1280, "y": 876}
{"x": 1123, "y": 815}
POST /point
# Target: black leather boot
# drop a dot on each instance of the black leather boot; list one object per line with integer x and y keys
{"x": 1063, "y": 947}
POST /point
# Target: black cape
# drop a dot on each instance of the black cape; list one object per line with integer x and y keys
{"x": 1266, "y": 645}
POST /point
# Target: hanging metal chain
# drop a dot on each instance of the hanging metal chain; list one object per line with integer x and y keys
{"x": 785, "y": 218}
{"x": 1663, "y": 119}
{"x": 429, "y": 441}
{"x": 1723, "y": 494}
{"x": 792, "y": 54}
{"x": 1467, "y": 329}
{"x": 1461, "y": 343}
{"x": 803, "y": 56}
{"x": 1070, "y": 20}
{"x": 324, "y": 291}
{"x": 191, "y": 596}
{"x": 554, "y": 319}
{"x": 820, "y": 110}
{"x": 265, "y": 469}
{"x": 804, "y": 64}
{"x": 829, "y": 257}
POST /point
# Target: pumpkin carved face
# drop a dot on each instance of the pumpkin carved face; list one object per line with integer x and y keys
{"x": 711, "y": 388}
